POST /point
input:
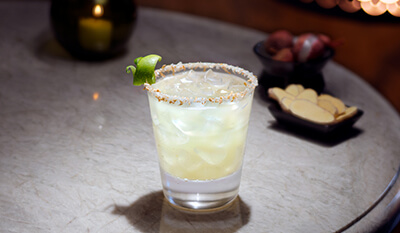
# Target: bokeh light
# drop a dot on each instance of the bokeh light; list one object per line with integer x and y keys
{"x": 371, "y": 7}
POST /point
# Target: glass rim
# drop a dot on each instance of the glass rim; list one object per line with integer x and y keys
{"x": 250, "y": 82}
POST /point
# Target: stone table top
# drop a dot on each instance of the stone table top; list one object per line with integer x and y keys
{"x": 70, "y": 163}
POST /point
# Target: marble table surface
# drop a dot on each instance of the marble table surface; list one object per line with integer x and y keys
{"x": 73, "y": 163}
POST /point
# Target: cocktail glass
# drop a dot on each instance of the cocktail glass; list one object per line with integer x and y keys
{"x": 200, "y": 126}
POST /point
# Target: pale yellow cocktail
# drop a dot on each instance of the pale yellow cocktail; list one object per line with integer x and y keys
{"x": 200, "y": 114}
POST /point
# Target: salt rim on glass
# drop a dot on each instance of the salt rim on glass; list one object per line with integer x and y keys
{"x": 250, "y": 83}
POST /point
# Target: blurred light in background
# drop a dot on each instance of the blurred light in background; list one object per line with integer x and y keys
{"x": 96, "y": 96}
{"x": 371, "y": 7}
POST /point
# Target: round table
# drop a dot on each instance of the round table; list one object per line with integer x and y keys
{"x": 77, "y": 152}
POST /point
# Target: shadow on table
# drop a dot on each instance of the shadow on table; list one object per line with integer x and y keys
{"x": 153, "y": 213}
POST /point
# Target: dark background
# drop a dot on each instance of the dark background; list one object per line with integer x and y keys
{"x": 371, "y": 46}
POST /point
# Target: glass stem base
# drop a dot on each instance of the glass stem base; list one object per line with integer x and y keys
{"x": 200, "y": 201}
{"x": 201, "y": 195}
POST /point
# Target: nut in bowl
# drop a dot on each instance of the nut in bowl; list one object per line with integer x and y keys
{"x": 285, "y": 55}
{"x": 304, "y": 108}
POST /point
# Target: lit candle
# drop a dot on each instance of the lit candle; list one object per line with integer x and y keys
{"x": 94, "y": 32}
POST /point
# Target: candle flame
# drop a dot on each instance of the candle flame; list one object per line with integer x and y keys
{"x": 98, "y": 10}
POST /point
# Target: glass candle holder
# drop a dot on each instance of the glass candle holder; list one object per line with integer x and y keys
{"x": 93, "y": 29}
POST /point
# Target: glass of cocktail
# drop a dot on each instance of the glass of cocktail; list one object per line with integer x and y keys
{"x": 200, "y": 114}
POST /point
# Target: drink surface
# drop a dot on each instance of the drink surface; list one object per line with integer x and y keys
{"x": 200, "y": 141}
{"x": 200, "y": 84}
